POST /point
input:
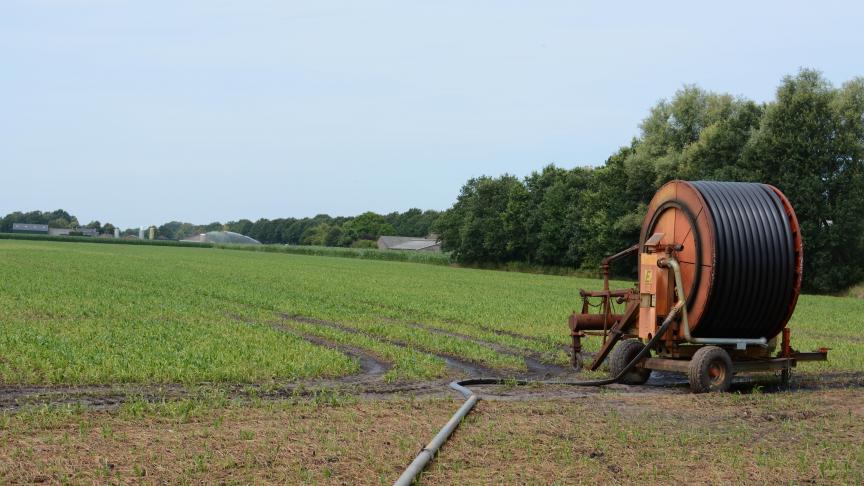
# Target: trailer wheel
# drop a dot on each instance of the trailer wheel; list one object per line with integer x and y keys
{"x": 710, "y": 370}
{"x": 621, "y": 356}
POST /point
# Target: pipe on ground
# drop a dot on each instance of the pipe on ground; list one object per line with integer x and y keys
{"x": 427, "y": 453}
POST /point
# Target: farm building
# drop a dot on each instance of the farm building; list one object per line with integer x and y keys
{"x": 413, "y": 243}
{"x": 225, "y": 237}
{"x": 73, "y": 232}
{"x": 44, "y": 229}
{"x": 29, "y": 228}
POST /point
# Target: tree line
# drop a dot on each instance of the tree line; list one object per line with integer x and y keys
{"x": 321, "y": 230}
{"x": 54, "y": 219}
{"x": 808, "y": 141}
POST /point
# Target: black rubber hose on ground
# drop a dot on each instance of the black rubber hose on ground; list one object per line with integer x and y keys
{"x": 427, "y": 453}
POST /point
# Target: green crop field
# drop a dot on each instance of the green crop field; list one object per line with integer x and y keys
{"x": 179, "y": 330}
{"x": 77, "y": 313}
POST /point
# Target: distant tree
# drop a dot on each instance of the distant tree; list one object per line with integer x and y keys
{"x": 259, "y": 230}
{"x": 243, "y": 226}
{"x": 317, "y": 235}
{"x": 367, "y": 226}
{"x": 94, "y": 225}
{"x": 413, "y": 222}
{"x": 294, "y": 231}
{"x": 811, "y": 145}
{"x": 480, "y": 226}
{"x": 334, "y": 236}
{"x": 214, "y": 226}
{"x": 60, "y": 223}
{"x": 172, "y": 230}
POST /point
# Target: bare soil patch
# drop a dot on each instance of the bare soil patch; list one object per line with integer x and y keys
{"x": 596, "y": 437}
{"x": 536, "y": 368}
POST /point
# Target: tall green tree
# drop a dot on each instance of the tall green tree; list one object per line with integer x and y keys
{"x": 811, "y": 145}
{"x": 367, "y": 226}
{"x": 481, "y": 226}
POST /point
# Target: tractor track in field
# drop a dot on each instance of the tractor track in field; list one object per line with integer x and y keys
{"x": 536, "y": 368}
{"x": 463, "y": 368}
{"x": 110, "y": 397}
{"x": 371, "y": 366}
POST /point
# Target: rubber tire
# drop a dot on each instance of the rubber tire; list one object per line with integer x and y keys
{"x": 621, "y": 356}
{"x": 699, "y": 370}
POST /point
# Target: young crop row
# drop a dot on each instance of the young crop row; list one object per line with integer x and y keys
{"x": 408, "y": 363}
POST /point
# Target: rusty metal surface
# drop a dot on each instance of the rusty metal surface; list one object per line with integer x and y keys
{"x": 763, "y": 365}
{"x": 593, "y": 322}
{"x": 679, "y": 212}
{"x": 798, "y": 244}
{"x": 666, "y": 364}
{"x": 616, "y": 332}
{"x": 604, "y": 264}
{"x": 818, "y": 355}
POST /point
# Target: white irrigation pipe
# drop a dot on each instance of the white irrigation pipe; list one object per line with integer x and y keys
{"x": 427, "y": 453}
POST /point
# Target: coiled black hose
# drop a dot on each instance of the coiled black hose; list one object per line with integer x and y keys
{"x": 754, "y": 261}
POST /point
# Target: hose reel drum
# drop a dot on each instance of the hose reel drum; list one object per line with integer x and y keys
{"x": 732, "y": 253}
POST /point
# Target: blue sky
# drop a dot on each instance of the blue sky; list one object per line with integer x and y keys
{"x": 140, "y": 112}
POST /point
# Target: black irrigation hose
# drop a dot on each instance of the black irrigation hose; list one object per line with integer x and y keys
{"x": 754, "y": 261}
{"x": 427, "y": 453}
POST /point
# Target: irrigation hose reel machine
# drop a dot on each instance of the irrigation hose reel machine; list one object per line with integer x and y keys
{"x": 720, "y": 267}
{"x": 732, "y": 252}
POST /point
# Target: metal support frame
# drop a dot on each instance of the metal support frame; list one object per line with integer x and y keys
{"x": 739, "y": 366}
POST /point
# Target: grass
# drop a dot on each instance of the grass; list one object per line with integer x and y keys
{"x": 294, "y": 442}
{"x": 781, "y": 438}
{"x": 77, "y": 313}
{"x": 87, "y": 316}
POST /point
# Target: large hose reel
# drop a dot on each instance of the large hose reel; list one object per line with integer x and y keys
{"x": 740, "y": 254}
